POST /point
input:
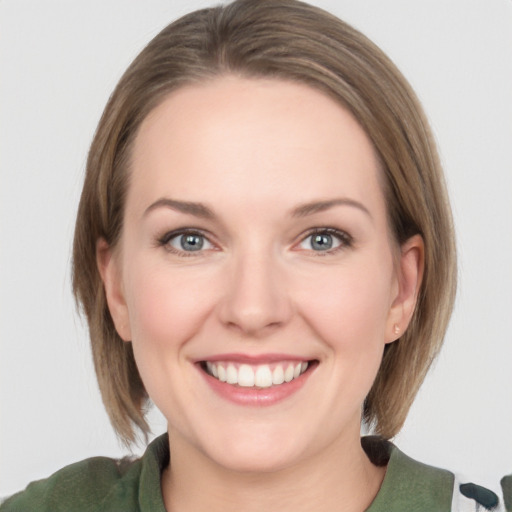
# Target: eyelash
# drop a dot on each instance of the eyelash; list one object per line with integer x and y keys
{"x": 164, "y": 241}
{"x": 345, "y": 241}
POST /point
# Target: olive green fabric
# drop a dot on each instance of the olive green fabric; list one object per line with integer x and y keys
{"x": 99, "y": 484}
{"x": 102, "y": 484}
{"x": 410, "y": 486}
{"x": 506, "y": 485}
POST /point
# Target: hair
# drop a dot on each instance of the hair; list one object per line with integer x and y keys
{"x": 283, "y": 40}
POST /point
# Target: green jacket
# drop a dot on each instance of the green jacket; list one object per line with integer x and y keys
{"x": 103, "y": 484}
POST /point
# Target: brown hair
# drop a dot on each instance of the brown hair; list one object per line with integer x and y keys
{"x": 290, "y": 40}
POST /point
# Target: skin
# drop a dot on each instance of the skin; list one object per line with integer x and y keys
{"x": 253, "y": 151}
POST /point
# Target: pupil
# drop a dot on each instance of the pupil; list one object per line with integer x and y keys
{"x": 322, "y": 242}
{"x": 191, "y": 242}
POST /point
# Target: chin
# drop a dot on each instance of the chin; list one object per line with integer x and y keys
{"x": 255, "y": 461}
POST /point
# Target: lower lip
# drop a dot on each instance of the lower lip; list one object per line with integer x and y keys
{"x": 256, "y": 397}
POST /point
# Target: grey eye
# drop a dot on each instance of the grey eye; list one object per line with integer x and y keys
{"x": 322, "y": 241}
{"x": 189, "y": 242}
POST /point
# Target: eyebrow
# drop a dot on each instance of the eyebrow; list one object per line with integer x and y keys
{"x": 196, "y": 209}
{"x": 306, "y": 209}
{"x": 202, "y": 211}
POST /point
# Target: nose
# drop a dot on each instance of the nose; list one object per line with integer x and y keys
{"x": 256, "y": 300}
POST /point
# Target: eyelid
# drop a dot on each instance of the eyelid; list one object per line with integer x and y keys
{"x": 345, "y": 239}
{"x": 164, "y": 241}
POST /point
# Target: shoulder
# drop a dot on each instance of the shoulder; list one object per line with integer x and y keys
{"x": 408, "y": 484}
{"x": 98, "y": 483}
{"x": 412, "y": 485}
{"x": 82, "y": 486}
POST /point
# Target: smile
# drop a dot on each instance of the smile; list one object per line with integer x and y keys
{"x": 255, "y": 376}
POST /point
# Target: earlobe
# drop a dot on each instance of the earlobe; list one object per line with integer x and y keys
{"x": 108, "y": 267}
{"x": 409, "y": 277}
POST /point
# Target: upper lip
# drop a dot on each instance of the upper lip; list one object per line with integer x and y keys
{"x": 254, "y": 358}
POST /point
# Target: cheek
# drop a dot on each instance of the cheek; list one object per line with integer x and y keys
{"x": 349, "y": 306}
{"x": 165, "y": 307}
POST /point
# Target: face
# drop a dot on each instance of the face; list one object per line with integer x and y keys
{"x": 255, "y": 275}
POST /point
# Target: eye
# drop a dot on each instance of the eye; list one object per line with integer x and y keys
{"x": 326, "y": 240}
{"x": 186, "y": 242}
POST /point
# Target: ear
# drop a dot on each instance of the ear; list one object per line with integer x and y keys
{"x": 109, "y": 269}
{"x": 409, "y": 277}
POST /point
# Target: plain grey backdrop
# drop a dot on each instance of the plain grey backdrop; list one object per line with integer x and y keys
{"x": 59, "y": 61}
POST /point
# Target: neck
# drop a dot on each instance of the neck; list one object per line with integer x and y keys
{"x": 340, "y": 478}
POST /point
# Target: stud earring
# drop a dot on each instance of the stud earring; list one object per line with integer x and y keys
{"x": 397, "y": 329}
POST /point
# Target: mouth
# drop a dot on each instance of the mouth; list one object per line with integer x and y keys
{"x": 268, "y": 375}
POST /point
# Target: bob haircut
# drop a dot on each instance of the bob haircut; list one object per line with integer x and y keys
{"x": 283, "y": 40}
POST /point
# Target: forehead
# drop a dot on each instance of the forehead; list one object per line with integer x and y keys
{"x": 237, "y": 138}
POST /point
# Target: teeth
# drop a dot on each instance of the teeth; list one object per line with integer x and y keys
{"x": 278, "y": 375}
{"x": 231, "y": 375}
{"x": 288, "y": 374}
{"x": 246, "y": 376}
{"x": 261, "y": 376}
{"x": 222, "y": 373}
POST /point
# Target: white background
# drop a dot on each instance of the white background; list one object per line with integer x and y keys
{"x": 60, "y": 60}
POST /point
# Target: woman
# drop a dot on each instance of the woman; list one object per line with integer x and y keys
{"x": 263, "y": 232}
